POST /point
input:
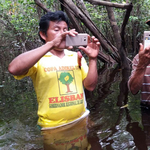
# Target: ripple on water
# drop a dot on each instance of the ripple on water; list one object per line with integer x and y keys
{"x": 15, "y": 135}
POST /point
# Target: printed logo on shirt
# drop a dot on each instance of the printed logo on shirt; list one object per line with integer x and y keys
{"x": 68, "y": 91}
{"x": 61, "y": 68}
{"x": 66, "y": 82}
{"x": 75, "y": 99}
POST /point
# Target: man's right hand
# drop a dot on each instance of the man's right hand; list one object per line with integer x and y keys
{"x": 62, "y": 38}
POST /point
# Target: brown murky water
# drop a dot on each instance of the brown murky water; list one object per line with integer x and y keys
{"x": 116, "y": 120}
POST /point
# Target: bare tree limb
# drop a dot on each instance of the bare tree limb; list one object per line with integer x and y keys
{"x": 91, "y": 26}
{"x": 70, "y": 14}
{"x": 38, "y": 2}
{"x": 109, "y": 4}
{"x": 117, "y": 37}
{"x": 126, "y": 18}
{"x": 71, "y": 8}
{"x": 80, "y": 4}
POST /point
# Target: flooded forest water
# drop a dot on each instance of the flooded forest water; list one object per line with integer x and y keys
{"x": 116, "y": 120}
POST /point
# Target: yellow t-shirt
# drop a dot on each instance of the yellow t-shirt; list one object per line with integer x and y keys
{"x": 59, "y": 89}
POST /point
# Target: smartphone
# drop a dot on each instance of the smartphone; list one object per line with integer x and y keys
{"x": 146, "y": 38}
{"x": 79, "y": 40}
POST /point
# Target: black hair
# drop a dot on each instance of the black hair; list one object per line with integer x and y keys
{"x": 51, "y": 16}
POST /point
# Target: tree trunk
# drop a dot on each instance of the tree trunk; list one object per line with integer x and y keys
{"x": 93, "y": 29}
{"x": 117, "y": 37}
{"x": 80, "y": 15}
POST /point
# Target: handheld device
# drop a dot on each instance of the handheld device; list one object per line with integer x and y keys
{"x": 146, "y": 38}
{"x": 78, "y": 40}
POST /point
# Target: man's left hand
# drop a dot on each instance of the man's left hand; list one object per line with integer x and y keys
{"x": 92, "y": 48}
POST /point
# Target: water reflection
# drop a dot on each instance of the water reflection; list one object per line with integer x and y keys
{"x": 71, "y": 137}
{"x": 146, "y": 125}
{"x": 108, "y": 127}
{"x": 141, "y": 132}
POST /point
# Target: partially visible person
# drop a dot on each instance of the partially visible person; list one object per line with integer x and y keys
{"x": 59, "y": 76}
{"x": 140, "y": 75}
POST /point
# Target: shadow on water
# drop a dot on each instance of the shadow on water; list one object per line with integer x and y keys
{"x": 116, "y": 120}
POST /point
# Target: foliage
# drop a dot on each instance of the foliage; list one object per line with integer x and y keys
{"x": 135, "y": 27}
{"x": 137, "y": 24}
{"x": 19, "y": 26}
{"x": 20, "y": 18}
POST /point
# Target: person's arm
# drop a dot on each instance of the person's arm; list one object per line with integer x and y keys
{"x": 136, "y": 79}
{"x": 22, "y": 63}
{"x": 92, "y": 51}
{"x": 91, "y": 80}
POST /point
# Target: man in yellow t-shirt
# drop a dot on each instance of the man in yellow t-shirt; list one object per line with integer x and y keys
{"x": 58, "y": 75}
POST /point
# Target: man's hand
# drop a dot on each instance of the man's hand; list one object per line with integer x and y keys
{"x": 144, "y": 56}
{"x": 136, "y": 80}
{"x": 92, "y": 48}
{"x": 62, "y": 38}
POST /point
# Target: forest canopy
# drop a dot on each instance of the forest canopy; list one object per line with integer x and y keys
{"x": 118, "y": 24}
